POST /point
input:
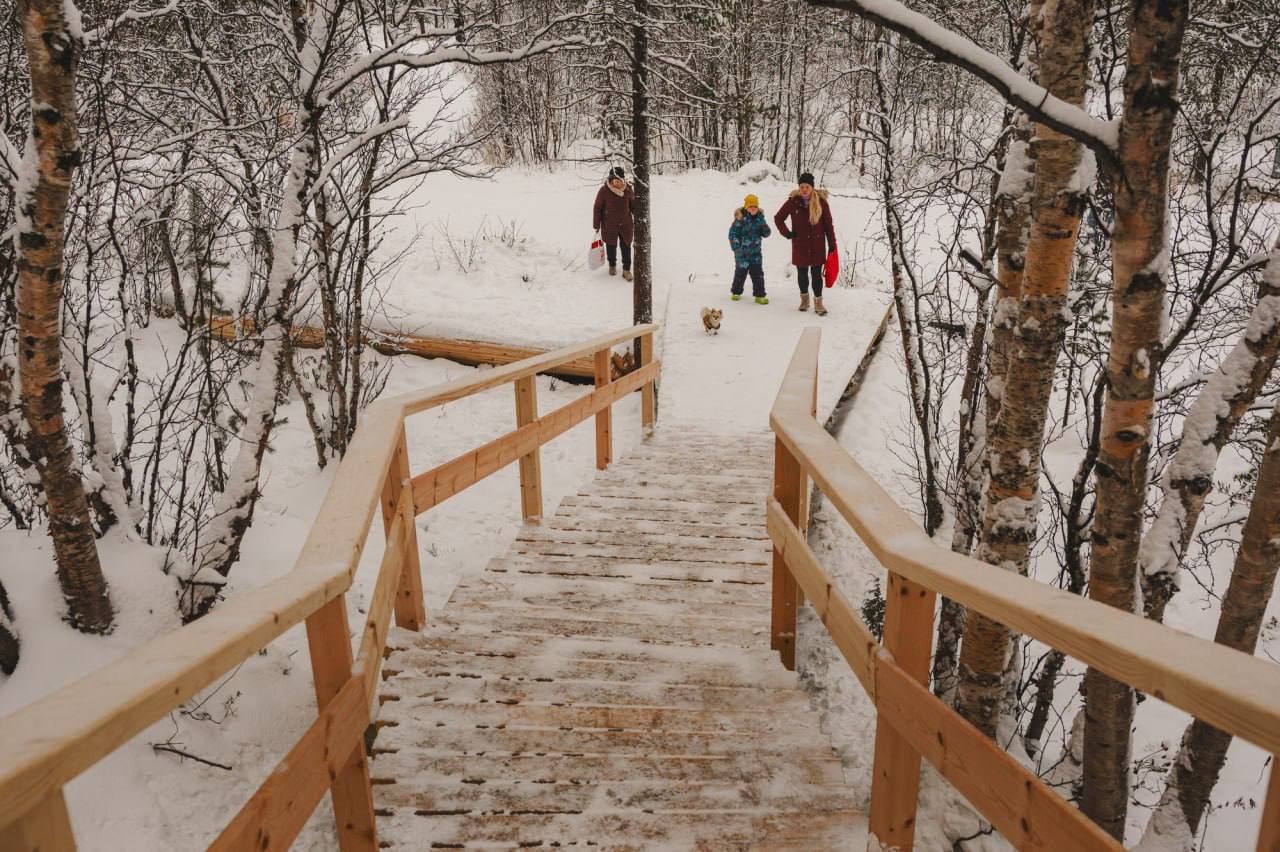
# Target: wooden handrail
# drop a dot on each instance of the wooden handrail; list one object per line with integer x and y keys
{"x": 1229, "y": 689}
{"x": 51, "y": 741}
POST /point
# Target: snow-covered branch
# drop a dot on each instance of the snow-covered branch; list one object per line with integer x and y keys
{"x": 106, "y": 29}
{"x": 10, "y": 160}
{"x": 355, "y": 144}
{"x": 1034, "y": 100}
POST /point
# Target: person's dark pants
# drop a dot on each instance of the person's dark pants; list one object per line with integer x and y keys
{"x": 611, "y": 249}
{"x": 810, "y": 276}
{"x": 740, "y": 278}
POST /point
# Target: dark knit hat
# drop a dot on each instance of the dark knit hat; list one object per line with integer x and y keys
{"x": 807, "y": 177}
{"x": 617, "y": 172}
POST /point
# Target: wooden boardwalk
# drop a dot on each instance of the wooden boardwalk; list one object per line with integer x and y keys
{"x": 608, "y": 683}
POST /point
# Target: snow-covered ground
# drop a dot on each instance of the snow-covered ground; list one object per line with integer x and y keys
{"x": 502, "y": 259}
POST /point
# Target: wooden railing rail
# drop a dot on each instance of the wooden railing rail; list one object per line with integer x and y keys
{"x": 51, "y": 741}
{"x": 1231, "y": 690}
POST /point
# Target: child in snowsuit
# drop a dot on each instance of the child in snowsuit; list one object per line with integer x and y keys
{"x": 749, "y": 227}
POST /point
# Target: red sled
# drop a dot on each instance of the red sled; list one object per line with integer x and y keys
{"x": 831, "y": 269}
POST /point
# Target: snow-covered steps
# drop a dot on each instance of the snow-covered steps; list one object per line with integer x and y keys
{"x": 608, "y": 682}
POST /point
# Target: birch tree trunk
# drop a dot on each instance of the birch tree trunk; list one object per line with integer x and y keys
{"x": 1140, "y": 279}
{"x": 1063, "y": 172}
{"x": 52, "y": 154}
{"x": 1204, "y": 748}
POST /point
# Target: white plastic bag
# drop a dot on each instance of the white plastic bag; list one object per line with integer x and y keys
{"x": 595, "y": 254}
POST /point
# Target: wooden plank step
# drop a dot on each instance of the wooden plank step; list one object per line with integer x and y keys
{"x": 642, "y": 538}
{"x": 420, "y": 763}
{"x": 605, "y": 718}
{"x": 675, "y": 508}
{"x": 655, "y": 796}
{"x": 664, "y": 494}
{"x": 594, "y": 692}
{"x": 442, "y": 663}
{"x": 548, "y": 741}
{"x": 606, "y": 592}
{"x": 680, "y": 482}
{"x": 690, "y": 633}
{"x": 753, "y": 554}
{"x": 670, "y": 465}
{"x": 606, "y": 567}
{"x": 603, "y": 522}
{"x": 631, "y": 832}
{"x": 725, "y": 617}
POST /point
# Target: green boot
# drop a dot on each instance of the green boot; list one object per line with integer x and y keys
{"x": 736, "y": 296}
{"x": 762, "y": 300}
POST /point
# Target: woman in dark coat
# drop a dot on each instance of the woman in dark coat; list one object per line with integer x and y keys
{"x": 812, "y": 237}
{"x": 612, "y": 218}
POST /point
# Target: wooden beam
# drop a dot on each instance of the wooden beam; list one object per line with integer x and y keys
{"x": 1226, "y": 688}
{"x": 416, "y": 401}
{"x": 1269, "y": 831}
{"x": 463, "y": 351}
{"x": 530, "y": 462}
{"x": 377, "y": 623}
{"x": 44, "y": 828}
{"x": 1022, "y": 807}
{"x": 604, "y": 417}
{"x": 648, "y": 393}
{"x": 131, "y": 693}
{"x": 441, "y": 482}
{"x": 330, "y": 644}
{"x": 849, "y": 634}
{"x": 788, "y": 488}
{"x": 397, "y": 501}
{"x": 895, "y": 773}
{"x": 278, "y": 810}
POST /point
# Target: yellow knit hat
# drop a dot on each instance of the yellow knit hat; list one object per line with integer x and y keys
{"x": 751, "y": 201}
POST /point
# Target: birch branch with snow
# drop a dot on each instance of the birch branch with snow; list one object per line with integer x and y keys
{"x": 1031, "y": 98}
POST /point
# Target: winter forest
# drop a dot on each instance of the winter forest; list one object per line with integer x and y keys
{"x": 219, "y": 222}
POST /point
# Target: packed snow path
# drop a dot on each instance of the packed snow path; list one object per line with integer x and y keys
{"x": 609, "y": 682}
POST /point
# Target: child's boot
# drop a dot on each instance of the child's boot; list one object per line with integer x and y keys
{"x": 735, "y": 296}
{"x": 804, "y": 301}
{"x": 613, "y": 270}
{"x": 762, "y": 300}
{"x": 817, "y": 306}
{"x": 626, "y": 275}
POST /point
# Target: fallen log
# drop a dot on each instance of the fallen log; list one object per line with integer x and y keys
{"x": 470, "y": 352}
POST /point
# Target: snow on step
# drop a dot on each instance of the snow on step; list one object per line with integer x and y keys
{"x": 608, "y": 682}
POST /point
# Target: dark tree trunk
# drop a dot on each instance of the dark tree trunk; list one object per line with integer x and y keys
{"x": 642, "y": 286}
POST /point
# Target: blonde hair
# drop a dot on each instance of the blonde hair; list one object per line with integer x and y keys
{"x": 815, "y": 207}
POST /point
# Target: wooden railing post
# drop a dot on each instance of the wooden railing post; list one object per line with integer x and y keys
{"x": 604, "y": 419}
{"x": 895, "y": 775}
{"x": 788, "y": 488}
{"x": 329, "y": 640}
{"x": 1269, "y": 833}
{"x": 648, "y": 393}
{"x": 531, "y": 462}
{"x": 46, "y": 827}
{"x": 411, "y": 611}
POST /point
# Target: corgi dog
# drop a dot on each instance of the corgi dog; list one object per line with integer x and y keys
{"x": 711, "y": 320}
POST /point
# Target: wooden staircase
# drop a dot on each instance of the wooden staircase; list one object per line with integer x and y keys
{"x": 609, "y": 682}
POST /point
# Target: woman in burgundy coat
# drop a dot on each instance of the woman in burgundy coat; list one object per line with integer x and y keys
{"x": 812, "y": 237}
{"x": 612, "y": 218}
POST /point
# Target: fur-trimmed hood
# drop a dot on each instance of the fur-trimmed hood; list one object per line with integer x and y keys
{"x": 795, "y": 193}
